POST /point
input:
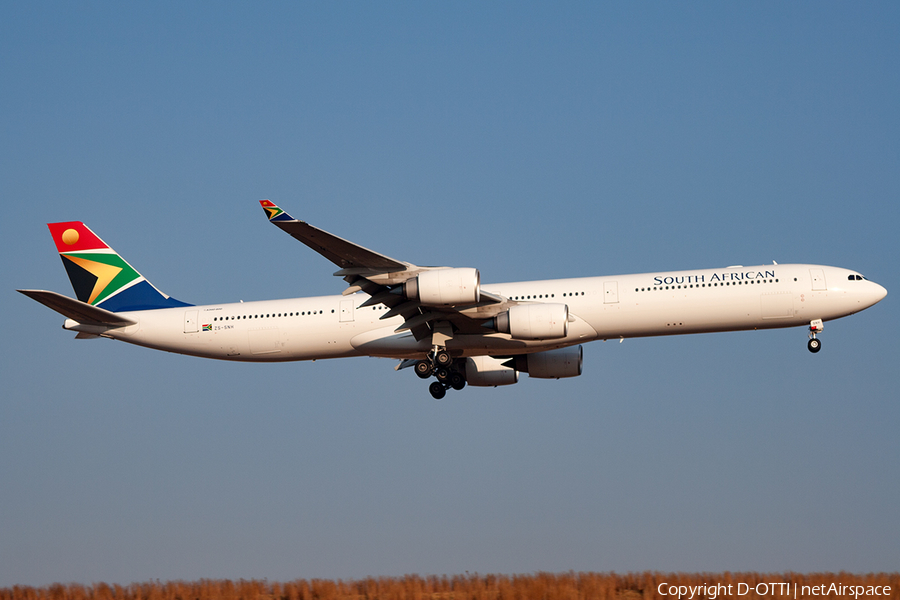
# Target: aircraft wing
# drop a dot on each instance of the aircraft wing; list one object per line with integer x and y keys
{"x": 382, "y": 278}
{"x": 344, "y": 254}
{"x": 77, "y": 310}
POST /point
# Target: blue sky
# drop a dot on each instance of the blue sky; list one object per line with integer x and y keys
{"x": 528, "y": 140}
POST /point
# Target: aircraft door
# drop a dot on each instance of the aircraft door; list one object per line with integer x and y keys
{"x": 190, "y": 321}
{"x": 346, "y": 311}
{"x": 610, "y": 292}
{"x": 817, "y": 276}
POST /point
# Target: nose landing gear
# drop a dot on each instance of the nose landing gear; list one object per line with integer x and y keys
{"x": 814, "y": 343}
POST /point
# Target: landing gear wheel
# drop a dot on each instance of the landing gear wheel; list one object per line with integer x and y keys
{"x": 443, "y": 375}
{"x": 437, "y": 390}
{"x": 815, "y": 327}
{"x": 442, "y": 358}
{"x": 457, "y": 381}
{"x": 423, "y": 369}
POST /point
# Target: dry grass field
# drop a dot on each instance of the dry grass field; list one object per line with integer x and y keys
{"x": 538, "y": 586}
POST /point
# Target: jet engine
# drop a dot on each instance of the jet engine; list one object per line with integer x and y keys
{"x": 489, "y": 371}
{"x": 445, "y": 287}
{"x": 534, "y": 321}
{"x": 550, "y": 364}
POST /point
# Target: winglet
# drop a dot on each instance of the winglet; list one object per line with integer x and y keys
{"x": 274, "y": 213}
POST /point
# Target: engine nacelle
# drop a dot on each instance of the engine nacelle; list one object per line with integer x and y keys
{"x": 551, "y": 364}
{"x": 534, "y": 321}
{"x": 445, "y": 287}
{"x": 489, "y": 371}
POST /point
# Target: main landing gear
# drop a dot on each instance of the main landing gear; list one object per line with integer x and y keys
{"x": 814, "y": 343}
{"x": 441, "y": 365}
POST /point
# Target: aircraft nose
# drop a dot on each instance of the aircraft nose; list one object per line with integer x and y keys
{"x": 880, "y": 293}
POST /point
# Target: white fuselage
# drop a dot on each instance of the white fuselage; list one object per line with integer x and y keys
{"x": 623, "y": 306}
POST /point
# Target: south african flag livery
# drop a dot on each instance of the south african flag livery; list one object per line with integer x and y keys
{"x": 274, "y": 212}
{"x": 100, "y": 276}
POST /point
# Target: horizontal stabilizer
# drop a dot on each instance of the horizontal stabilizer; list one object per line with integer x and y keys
{"x": 77, "y": 310}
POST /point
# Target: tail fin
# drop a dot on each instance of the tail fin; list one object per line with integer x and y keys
{"x": 101, "y": 277}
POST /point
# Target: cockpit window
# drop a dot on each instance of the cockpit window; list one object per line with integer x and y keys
{"x": 855, "y": 277}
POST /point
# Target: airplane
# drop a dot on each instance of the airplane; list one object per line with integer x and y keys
{"x": 441, "y": 321}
